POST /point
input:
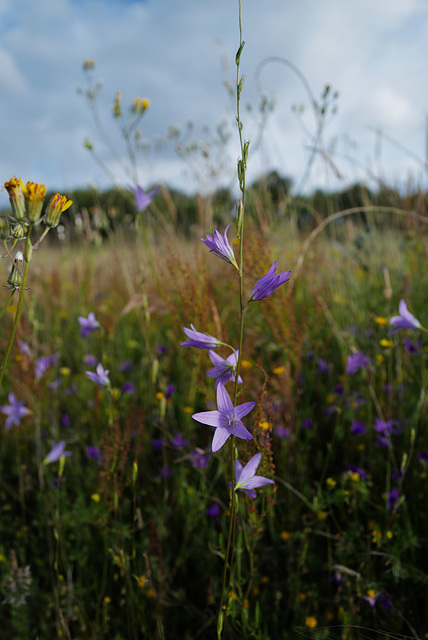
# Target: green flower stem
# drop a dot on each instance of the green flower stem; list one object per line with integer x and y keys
{"x": 228, "y": 560}
{"x": 8, "y": 302}
{"x": 18, "y": 312}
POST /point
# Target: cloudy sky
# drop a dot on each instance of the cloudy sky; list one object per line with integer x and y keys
{"x": 180, "y": 54}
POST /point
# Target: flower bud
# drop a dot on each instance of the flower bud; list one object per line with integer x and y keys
{"x": 16, "y": 200}
{"x": 19, "y": 230}
{"x": 15, "y": 277}
{"x": 34, "y": 195}
{"x": 117, "y": 107}
{"x": 4, "y": 228}
{"x": 56, "y": 206}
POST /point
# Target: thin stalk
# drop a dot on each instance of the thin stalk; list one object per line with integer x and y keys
{"x": 18, "y": 312}
{"x": 8, "y": 302}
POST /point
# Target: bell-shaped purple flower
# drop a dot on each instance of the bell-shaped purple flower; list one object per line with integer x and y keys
{"x": 15, "y": 410}
{"x": 224, "y": 369}
{"x": 405, "y": 320}
{"x": 143, "y": 199}
{"x": 199, "y": 340}
{"x": 269, "y": 283}
{"x": 246, "y": 479}
{"x": 219, "y": 245}
{"x": 88, "y": 325}
{"x": 226, "y": 420}
{"x": 56, "y": 452}
{"x": 100, "y": 377}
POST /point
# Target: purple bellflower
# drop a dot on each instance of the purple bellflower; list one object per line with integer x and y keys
{"x": 56, "y": 452}
{"x": 143, "y": 199}
{"x": 100, "y": 377}
{"x": 269, "y": 283}
{"x": 226, "y": 420}
{"x": 44, "y": 363}
{"x": 357, "y": 361}
{"x": 246, "y": 480}
{"x": 87, "y": 325}
{"x": 219, "y": 245}
{"x": 224, "y": 369}
{"x": 199, "y": 340}
{"x": 15, "y": 410}
{"x": 405, "y": 320}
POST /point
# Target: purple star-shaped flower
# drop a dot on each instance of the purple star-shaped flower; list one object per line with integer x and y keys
{"x": 43, "y": 363}
{"x": 405, "y": 320}
{"x": 94, "y": 453}
{"x": 371, "y": 599}
{"x": 199, "y": 340}
{"x": 56, "y": 452}
{"x": 219, "y": 245}
{"x": 143, "y": 199}
{"x": 246, "y": 480}
{"x": 15, "y": 410}
{"x": 88, "y": 325}
{"x": 177, "y": 441}
{"x": 224, "y": 369}
{"x": 226, "y": 420}
{"x": 357, "y": 361}
{"x": 100, "y": 377}
{"x": 269, "y": 283}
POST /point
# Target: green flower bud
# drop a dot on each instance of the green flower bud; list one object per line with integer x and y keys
{"x": 4, "y": 228}
{"x": 19, "y": 230}
{"x": 15, "y": 277}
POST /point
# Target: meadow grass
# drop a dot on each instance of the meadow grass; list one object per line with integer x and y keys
{"x": 130, "y": 542}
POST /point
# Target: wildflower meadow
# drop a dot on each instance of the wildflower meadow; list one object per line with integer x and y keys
{"x": 214, "y": 416}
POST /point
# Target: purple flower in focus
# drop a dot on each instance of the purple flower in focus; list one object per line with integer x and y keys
{"x": 94, "y": 453}
{"x": 87, "y": 325}
{"x": 224, "y": 369}
{"x": 219, "y": 245}
{"x": 358, "y": 428}
{"x": 178, "y": 442}
{"x": 142, "y": 199}
{"x": 357, "y": 361}
{"x": 44, "y": 363}
{"x": 226, "y": 420}
{"x": 100, "y": 377}
{"x": 198, "y": 459}
{"x": 56, "y": 452}
{"x": 405, "y": 320}
{"x": 269, "y": 283}
{"x": 199, "y": 340}
{"x": 246, "y": 480}
{"x": 15, "y": 410}
{"x": 128, "y": 387}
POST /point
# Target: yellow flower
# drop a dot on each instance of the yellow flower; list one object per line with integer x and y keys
{"x": 17, "y": 203}
{"x": 95, "y": 497}
{"x": 311, "y": 622}
{"x": 285, "y": 535}
{"x": 323, "y": 515}
{"x": 381, "y": 321}
{"x": 278, "y": 371}
{"x": 57, "y": 205}
{"x": 34, "y": 195}
{"x": 188, "y": 409}
{"x": 88, "y": 64}
{"x": 256, "y": 591}
{"x": 142, "y": 581}
{"x": 246, "y": 364}
{"x": 265, "y": 579}
{"x": 264, "y": 425}
{"x": 65, "y": 371}
{"x": 371, "y": 593}
{"x": 380, "y": 358}
{"x": 386, "y": 344}
{"x": 389, "y": 534}
{"x": 2, "y": 557}
{"x": 331, "y": 482}
{"x": 231, "y": 595}
{"x": 106, "y": 600}
{"x": 160, "y": 395}
{"x": 140, "y": 105}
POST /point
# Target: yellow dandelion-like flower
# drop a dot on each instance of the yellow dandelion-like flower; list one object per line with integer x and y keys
{"x": 95, "y": 497}
{"x": 381, "y": 321}
{"x": 160, "y": 395}
{"x": 278, "y": 371}
{"x": 389, "y": 534}
{"x": 285, "y": 535}
{"x": 264, "y": 425}
{"x": 13, "y": 187}
{"x": 246, "y": 364}
{"x": 386, "y": 344}
{"x": 188, "y": 409}
{"x": 331, "y": 482}
{"x": 311, "y": 622}
{"x": 88, "y": 64}
{"x": 141, "y": 581}
{"x": 106, "y": 600}
{"x": 65, "y": 371}
{"x": 57, "y": 205}
{"x": 34, "y": 195}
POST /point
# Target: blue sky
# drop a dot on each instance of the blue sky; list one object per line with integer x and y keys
{"x": 179, "y": 53}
